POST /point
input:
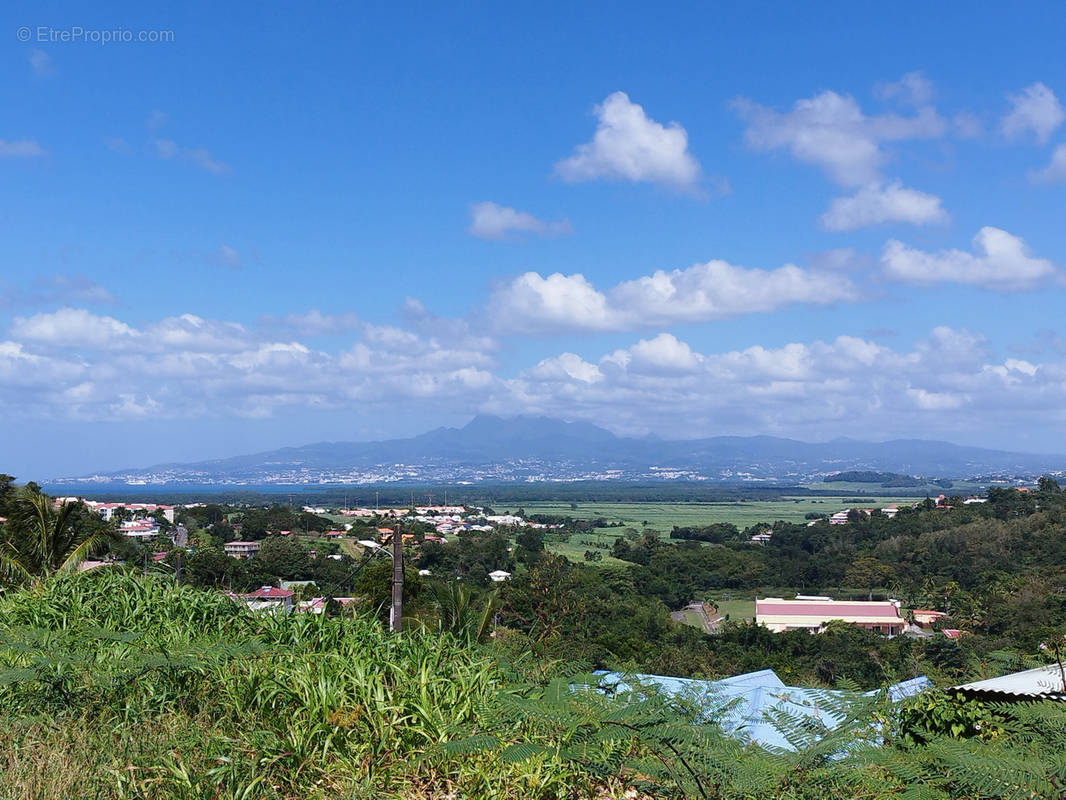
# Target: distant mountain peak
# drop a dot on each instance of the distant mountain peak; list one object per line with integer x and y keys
{"x": 535, "y": 448}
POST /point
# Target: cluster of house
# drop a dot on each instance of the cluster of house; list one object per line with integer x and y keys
{"x": 107, "y": 510}
{"x": 281, "y": 599}
{"x": 142, "y": 523}
{"x": 813, "y": 613}
{"x": 447, "y": 519}
{"x": 842, "y": 517}
{"x": 405, "y": 512}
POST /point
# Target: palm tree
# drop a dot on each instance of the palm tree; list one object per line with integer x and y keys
{"x": 458, "y": 614}
{"x": 40, "y": 539}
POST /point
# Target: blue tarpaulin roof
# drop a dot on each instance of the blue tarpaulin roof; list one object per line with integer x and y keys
{"x": 746, "y": 705}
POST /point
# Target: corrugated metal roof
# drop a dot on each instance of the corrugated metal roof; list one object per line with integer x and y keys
{"x": 1043, "y": 683}
{"x": 831, "y": 608}
{"x": 747, "y": 705}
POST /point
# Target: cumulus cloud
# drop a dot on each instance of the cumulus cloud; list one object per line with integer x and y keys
{"x": 1000, "y": 261}
{"x": 445, "y": 332}
{"x": 74, "y": 365}
{"x": 877, "y": 204}
{"x": 495, "y": 222}
{"x": 311, "y": 323}
{"x": 810, "y": 390}
{"x": 531, "y": 303}
{"x": 663, "y": 355}
{"x": 538, "y": 305}
{"x": 563, "y": 367}
{"x": 73, "y": 327}
{"x": 80, "y": 329}
{"x": 628, "y": 145}
{"x": 1055, "y": 171}
{"x": 1034, "y": 110}
{"x": 831, "y": 132}
{"x": 20, "y": 148}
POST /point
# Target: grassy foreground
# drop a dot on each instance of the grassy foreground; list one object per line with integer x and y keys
{"x": 120, "y": 686}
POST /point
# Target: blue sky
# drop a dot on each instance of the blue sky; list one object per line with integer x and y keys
{"x": 371, "y": 220}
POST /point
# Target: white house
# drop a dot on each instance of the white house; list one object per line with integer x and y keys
{"x": 241, "y": 549}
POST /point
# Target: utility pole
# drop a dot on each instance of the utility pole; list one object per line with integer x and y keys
{"x": 396, "y": 616}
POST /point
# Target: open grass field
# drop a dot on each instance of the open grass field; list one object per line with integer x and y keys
{"x": 664, "y": 516}
{"x": 574, "y": 550}
{"x": 738, "y": 608}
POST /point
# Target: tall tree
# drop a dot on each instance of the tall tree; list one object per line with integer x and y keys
{"x": 42, "y": 538}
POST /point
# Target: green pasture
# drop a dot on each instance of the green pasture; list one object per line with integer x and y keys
{"x": 664, "y": 516}
{"x": 738, "y": 607}
{"x": 574, "y": 550}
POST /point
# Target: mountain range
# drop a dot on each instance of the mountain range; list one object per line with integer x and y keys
{"x": 494, "y": 449}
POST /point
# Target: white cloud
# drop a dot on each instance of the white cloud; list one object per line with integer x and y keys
{"x": 204, "y": 160}
{"x": 79, "y": 329}
{"x": 40, "y": 62}
{"x": 531, "y": 303}
{"x": 831, "y": 132}
{"x": 156, "y": 120}
{"x": 312, "y": 323}
{"x": 1035, "y": 110}
{"x": 168, "y": 149}
{"x": 537, "y": 305}
{"x": 165, "y": 148}
{"x": 630, "y": 146}
{"x": 565, "y": 366}
{"x": 808, "y": 390}
{"x": 718, "y": 289}
{"x": 20, "y": 148}
{"x": 48, "y": 289}
{"x": 1055, "y": 171}
{"x": 912, "y": 89}
{"x": 70, "y": 288}
{"x": 935, "y": 401}
{"x": 190, "y": 367}
{"x": 967, "y": 125}
{"x": 228, "y": 256}
{"x": 663, "y": 355}
{"x": 877, "y": 204}
{"x": 73, "y": 327}
{"x": 1000, "y": 261}
{"x": 495, "y": 222}
{"x": 116, "y": 144}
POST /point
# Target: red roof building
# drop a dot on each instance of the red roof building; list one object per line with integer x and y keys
{"x": 269, "y": 598}
{"x": 781, "y": 615}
